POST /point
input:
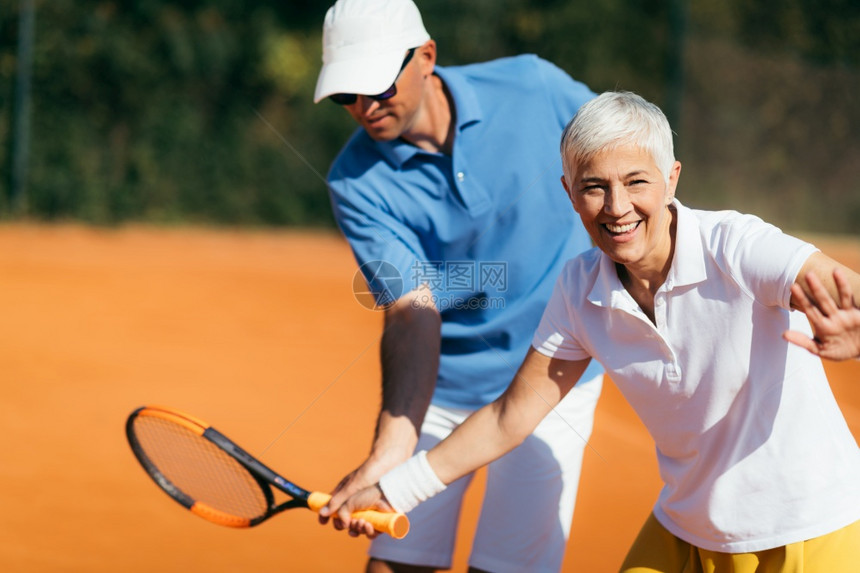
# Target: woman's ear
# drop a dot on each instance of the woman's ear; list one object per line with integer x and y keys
{"x": 674, "y": 175}
{"x": 569, "y": 192}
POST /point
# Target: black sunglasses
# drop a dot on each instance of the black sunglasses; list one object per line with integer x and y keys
{"x": 349, "y": 99}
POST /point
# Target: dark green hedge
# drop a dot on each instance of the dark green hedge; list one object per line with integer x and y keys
{"x": 201, "y": 112}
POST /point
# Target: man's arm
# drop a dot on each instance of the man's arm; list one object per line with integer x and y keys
{"x": 410, "y": 363}
{"x": 828, "y": 293}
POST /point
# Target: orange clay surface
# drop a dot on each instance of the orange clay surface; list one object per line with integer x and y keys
{"x": 257, "y": 333}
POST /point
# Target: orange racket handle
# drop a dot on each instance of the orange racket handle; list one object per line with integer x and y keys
{"x": 394, "y": 524}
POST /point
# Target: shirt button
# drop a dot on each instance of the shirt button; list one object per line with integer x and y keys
{"x": 461, "y": 176}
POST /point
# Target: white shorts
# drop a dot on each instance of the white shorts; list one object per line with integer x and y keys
{"x": 528, "y": 505}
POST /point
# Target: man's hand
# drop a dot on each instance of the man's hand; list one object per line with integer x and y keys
{"x": 367, "y": 498}
{"x": 835, "y": 321}
{"x": 366, "y": 475}
{"x": 356, "y": 491}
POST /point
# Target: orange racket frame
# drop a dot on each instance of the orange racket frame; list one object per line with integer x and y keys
{"x": 394, "y": 524}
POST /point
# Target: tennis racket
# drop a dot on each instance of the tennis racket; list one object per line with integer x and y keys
{"x": 217, "y": 480}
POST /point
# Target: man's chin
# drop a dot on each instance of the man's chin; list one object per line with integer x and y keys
{"x": 382, "y": 130}
{"x": 381, "y": 135}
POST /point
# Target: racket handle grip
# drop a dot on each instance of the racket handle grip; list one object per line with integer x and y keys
{"x": 394, "y": 524}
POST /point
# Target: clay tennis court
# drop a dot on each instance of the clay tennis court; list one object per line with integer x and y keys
{"x": 257, "y": 333}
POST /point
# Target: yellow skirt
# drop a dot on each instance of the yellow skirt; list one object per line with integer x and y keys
{"x": 658, "y": 551}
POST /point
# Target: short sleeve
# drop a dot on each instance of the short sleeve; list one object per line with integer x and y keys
{"x": 555, "y": 335}
{"x": 566, "y": 94}
{"x": 761, "y": 258}
{"x": 386, "y": 250}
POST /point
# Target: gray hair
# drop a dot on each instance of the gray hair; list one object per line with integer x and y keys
{"x": 613, "y": 119}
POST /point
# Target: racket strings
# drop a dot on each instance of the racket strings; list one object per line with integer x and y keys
{"x": 199, "y": 468}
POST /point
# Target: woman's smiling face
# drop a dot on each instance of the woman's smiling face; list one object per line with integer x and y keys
{"x": 623, "y": 198}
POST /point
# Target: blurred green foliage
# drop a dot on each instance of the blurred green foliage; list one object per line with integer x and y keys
{"x": 201, "y": 112}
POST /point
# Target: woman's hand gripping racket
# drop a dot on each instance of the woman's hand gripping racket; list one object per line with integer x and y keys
{"x": 217, "y": 480}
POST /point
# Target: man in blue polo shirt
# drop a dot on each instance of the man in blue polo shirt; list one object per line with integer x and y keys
{"x": 449, "y": 196}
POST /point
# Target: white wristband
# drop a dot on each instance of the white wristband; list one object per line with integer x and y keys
{"x": 410, "y": 483}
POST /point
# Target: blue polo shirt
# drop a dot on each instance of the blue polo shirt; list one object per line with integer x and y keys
{"x": 487, "y": 228}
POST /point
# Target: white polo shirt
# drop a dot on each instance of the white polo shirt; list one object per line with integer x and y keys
{"x": 752, "y": 447}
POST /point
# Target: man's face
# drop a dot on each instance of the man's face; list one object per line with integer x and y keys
{"x": 388, "y": 119}
{"x": 622, "y": 198}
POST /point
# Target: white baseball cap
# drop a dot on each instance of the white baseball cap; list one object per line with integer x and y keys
{"x": 364, "y": 43}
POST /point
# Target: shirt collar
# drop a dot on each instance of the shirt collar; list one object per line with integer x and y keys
{"x": 688, "y": 265}
{"x": 466, "y": 106}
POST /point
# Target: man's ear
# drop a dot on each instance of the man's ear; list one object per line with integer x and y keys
{"x": 426, "y": 54}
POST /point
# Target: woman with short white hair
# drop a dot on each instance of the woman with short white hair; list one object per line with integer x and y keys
{"x": 713, "y": 326}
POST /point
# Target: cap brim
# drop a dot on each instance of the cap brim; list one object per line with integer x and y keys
{"x": 367, "y": 75}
